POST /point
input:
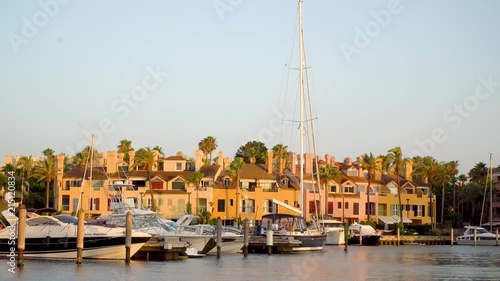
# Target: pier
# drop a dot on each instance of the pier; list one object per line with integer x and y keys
{"x": 415, "y": 240}
{"x": 162, "y": 249}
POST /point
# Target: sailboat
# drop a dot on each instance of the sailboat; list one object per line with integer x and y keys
{"x": 311, "y": 238}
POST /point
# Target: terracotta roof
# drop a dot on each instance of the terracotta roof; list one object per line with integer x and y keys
{"x": 255, "y": 171}
{"x": 209, "y": 170}
{"x": 175, "y": 158}
{"x": 98, "y": 173}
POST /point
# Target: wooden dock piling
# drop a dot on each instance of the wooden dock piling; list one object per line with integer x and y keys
{"x": 128, "y": 236}
{"x": 496, "y": 243}
{"x": 399, "y": 238}
{"x": 475, "y": 237}
{"x": 21, "y": 236}
{"x": 219, "y": 236}
{"x": 79, "y": 236}
{"x": 246, "y": 237}
{"x": 346, "y": 236}
{"x": 451, "y": 238}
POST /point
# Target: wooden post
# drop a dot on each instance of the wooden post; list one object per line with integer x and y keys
{"x": 475, "y": 237}
{"x": 346, "y": 236}
{"x": 246, "y": 237}
{"x": 397, "y": 243}
{"x": 79, "y": 236}
{"x": 21, "y": 238}
{"x": 360, "y": 235}
{"x": 269, "y": 237}
{"x": 219, "y": 236}
{"x": 128, "y": 236}
{"x": 451, "y": 236}
{"x": 496, "y": 243}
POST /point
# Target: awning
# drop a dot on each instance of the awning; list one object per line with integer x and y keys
{"x": 393, "y": 219}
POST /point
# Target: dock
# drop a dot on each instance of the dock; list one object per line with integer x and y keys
{"x": 281, "y": 244}
{"x": 415, "y": 240}
{"x": 162, "y": 249}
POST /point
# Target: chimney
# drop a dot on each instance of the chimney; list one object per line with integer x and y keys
{"x": 270, "y": 162}
{"x": 156, "y": 156}
{"x": 220, "y": 159}
{"x": 308, "y": 164}
{"x": 111, "y": 161}
{"x": 7, "y": 160}
{"x": 227, "y": 163}
{"x": 293, "y": 162}
{"x": 131, "y": 156}
{"x": 360, "y": 170}
{"x": 120, "y": 158}
{"x": 198, "y": 159}
{"x": 409, "y": 170}
{"x": 100, "y": 155}
{"x": 328, "y": 159}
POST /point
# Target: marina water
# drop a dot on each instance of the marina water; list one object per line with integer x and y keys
{"x": 359, "y": 263}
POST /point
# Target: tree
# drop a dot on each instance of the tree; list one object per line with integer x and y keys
{"x": 48, "y": 152}
{"x": 326, "y": 174}
{"x": 428, "y": 169}
{"x": 372, "y": 164}
{"x": 446, "y": 171}
{"x": 195, "y": 179}
{"x": 281, "y": 154}
{"x": 478, "y": 173}
{"x": 462, "y": 179}
{"x": 159, "y": 149}
{"x": 395, "y": 163}
{"x": 146, "y": 159}
{"x": 26, "y": 164}
{"x": 82, "y": 158}
{"x": 235, "y": 171}
{"x": 208, "y": 145}
{"x": 252, "y": 152}
{"x": 45, "y": 171}
{"x": 125, "y": 147}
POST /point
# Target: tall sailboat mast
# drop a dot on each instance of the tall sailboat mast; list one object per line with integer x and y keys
{"x": 491, "y": 195}
{"x": 302, "y": 132}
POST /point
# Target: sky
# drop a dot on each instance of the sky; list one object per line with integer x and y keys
{"x": 422, "y": 75}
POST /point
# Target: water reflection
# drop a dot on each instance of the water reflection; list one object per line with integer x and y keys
{"x": 359, "y": 263}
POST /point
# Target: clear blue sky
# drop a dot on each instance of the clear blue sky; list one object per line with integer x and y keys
{"x": 227, "y": 68}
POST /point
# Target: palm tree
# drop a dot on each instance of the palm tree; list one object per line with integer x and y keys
{"x": 370, "y": 163}
{"x": 195, "y": 179}
{"x": 281, "y": 153}
{"x": 48, "y": 152}
{"x": 463, "y": 179}
{"x": 326, "y": 174}
{"x": 26, "y": 164}
{"x": 428, "y": 170}
{"x": 45, "y": 171}
{"x": 208, "y": 145}
{"x": 159, "y": 149}
{"x": 146, "y": 159}
{"x": 445, "y": 173}
{"x": 478, "y": 173}
{"x": 395, "y": 162}
{"x": 235, "y": 171}
{"x": 125, "y": 147}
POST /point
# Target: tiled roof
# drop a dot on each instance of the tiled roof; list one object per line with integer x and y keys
{"x": 98, "y": 173}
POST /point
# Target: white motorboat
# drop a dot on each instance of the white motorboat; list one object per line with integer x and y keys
{"x": 48, "y": 237}
{"x": 361, "y": 234}
{"x": 334, "y": 229}
{"x": 483, "y": 237}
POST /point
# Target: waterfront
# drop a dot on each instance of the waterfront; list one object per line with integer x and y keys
{"x": 360, "y": 263}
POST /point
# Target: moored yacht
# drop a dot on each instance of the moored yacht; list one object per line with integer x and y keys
{"x": 48, "y": 237}
{"x": 361, "y": 234}
{"x": 483, "y": 237}
{"x": 334, "y": 229}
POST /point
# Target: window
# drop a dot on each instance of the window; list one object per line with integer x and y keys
{"x": 73, "y": 183}
{"x": 94, "y": 204}
{"x": 204, "y": 184}
{"x": 419, "y": 210}
{"x": 339, "y": 205}
{"x": 285, "y": 182}
{"x": 296, "y": 204}
{"x": 160, "y": 201}
{"x": 395, "y": 209}
{"x": 221, "y": 205}
{"x": 226, "y": 182}
{"x": 269, "y": 187}
{"x": 348, "y": 188}
{"x": 202, "y": 204}
{"x": 139, "y": 183}
{"x": 353, "y": 172}
{"x": 147, "y": 203}
{"x": 178, "y": 166}
{"x": 178, "y": 184}
{"x": 252, "y": 186}
{"x": 267, "y": 206}
{"x": 371, "y": 209}
{"x": 313, "y": 205}
{"x": 247, "y": 206}
{"x": 97, "y": 184}
{"x": 181, "y": 205}
{"x": 75, "y": 204}
{"x": 346, "y": 205}
{"x": 332, "y": 189}
{"x": 156, "y": 183}
{"x": 355, "y": 209}
{"x": 330, "y": 208}
{"x": 231, "y": 202}
{"x": 65, "y": 202}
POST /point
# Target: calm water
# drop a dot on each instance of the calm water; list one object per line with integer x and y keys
{"x": 360, "y": 263}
